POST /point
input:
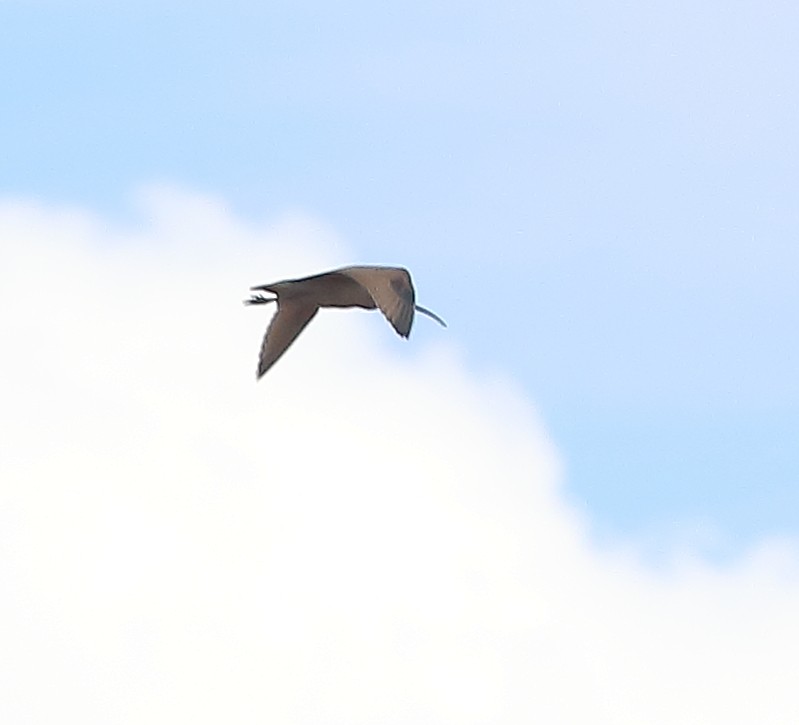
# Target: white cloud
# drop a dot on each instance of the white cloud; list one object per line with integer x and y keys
{"x": 361, "y": 537}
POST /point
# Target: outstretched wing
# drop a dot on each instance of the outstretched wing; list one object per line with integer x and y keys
{"x": 392, "y": 291}
{"x": 289, "y": 321}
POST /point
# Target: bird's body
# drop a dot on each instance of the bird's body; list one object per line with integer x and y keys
{"x": 386, "y": 288}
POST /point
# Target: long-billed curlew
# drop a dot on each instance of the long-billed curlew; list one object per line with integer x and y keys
{"x": 388, "y": 288}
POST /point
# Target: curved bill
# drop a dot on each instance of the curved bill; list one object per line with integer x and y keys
{"x": 429, "y": 313}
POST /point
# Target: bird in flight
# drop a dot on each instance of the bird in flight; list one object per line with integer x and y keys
{"x": 388, "y": 288}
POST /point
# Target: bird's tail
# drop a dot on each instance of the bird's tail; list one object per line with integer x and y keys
{"x": 259, "y": 300}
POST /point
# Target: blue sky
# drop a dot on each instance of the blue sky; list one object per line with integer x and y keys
{"x": 598, "y": 197}
{"x": 602, "y": 199}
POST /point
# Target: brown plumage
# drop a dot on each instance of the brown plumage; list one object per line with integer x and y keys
{"x": 388, "y": 289}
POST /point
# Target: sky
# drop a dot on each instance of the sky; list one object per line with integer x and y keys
{"x": 585, "y": 484}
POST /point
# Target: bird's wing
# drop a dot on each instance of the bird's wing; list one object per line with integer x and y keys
{"x": 289, "y": 321}
{"x": 392, "y": 291}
